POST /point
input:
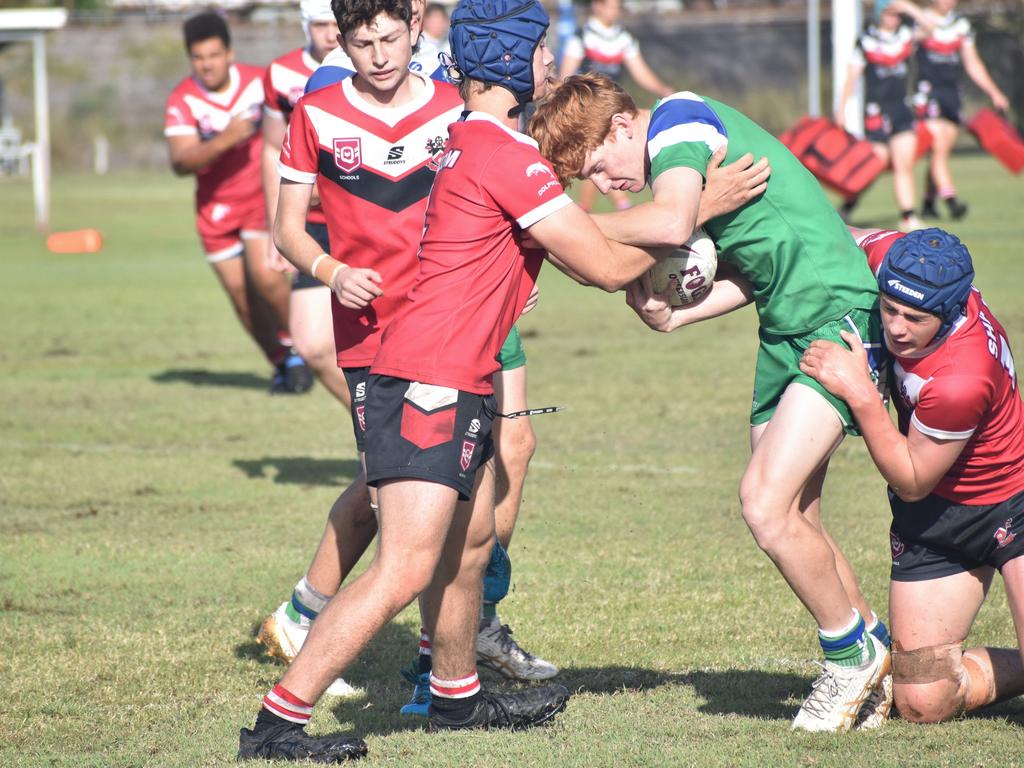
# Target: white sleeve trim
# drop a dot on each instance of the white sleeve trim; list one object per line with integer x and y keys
{"x": 544, "y": 210}
{"x": 939, "y": 434}
{"x": 180, "y": 130}
{"x": 287, "y": 172}
{"x": 686, "y": 133}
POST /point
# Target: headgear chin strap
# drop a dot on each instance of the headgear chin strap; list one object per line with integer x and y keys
{"x": 494, "y": 41}
{"x": 931, "y": 270}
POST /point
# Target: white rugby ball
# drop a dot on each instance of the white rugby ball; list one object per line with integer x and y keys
{"x": 686, "y": 274}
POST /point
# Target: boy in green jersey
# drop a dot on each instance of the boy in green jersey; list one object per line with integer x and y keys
{"x": 787, "y": 251}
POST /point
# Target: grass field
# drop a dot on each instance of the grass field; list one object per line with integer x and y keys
{"x": 156, "y": 503}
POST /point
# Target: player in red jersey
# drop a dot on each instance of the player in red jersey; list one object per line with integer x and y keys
{"x": 954, "y": 465}
{"x": 427, "y": 435}
{"x": 283, "y": 84}
{"x": 211, "y": 124}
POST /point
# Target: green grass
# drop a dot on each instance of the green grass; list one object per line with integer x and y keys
{"x": 155, "y": 504}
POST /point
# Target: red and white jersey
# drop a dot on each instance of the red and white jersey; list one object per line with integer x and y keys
{"x": 939, "y": 59}
{"x": 374, "y": 167}
{"x": 602, "y": 48}
{"x": 283, "y": 85}
{"x": 194, "y": 111}
{"x": 285, "y": 81}
{"x": 964, "y": 387}
{"x": 474, "y": 276}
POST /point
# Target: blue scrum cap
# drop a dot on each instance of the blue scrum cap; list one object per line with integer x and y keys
{"x": 493, "y": 41}
{"x": 931, "y": 270}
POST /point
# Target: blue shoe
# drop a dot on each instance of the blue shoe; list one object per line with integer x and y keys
{"x": 420, "y": 703}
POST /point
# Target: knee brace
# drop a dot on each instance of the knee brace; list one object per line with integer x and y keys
{"x": 498, "y": 576}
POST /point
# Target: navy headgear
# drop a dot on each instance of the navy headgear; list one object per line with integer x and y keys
{"x": 931, "y": 270}
{"x": 493, "y": 41}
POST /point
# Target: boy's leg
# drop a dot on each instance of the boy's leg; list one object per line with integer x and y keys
{"x": 800, "y": 436}
{"x": 415, "y": 516}
{"x": 929, "y": 621}
{"x": 777, "y": 488}
{"x": 313, "y": 333}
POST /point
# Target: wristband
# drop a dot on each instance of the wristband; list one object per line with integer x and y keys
{"x": 316, "y": 263}
{"x": 334, "y": 274}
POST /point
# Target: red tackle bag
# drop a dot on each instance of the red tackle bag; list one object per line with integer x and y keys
{"x": 836, "y": 158}
{"x": 999, "y": 138}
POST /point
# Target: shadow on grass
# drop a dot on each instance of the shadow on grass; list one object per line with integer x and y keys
{"x": 200, "y": 377}
{"x": 748, "y": 693}
{"x": 301, "y": 470}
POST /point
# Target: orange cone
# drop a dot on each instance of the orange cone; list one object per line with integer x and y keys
{"x": 76, "y": 241}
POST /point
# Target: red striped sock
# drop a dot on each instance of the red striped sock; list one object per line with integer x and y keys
{"x": 423, "y": 661}
{"x": 284, "y": 704}
{"x": 455, "y": 689}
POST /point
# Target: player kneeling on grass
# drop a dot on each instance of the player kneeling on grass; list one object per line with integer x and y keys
{"x": 430, "y": 401}
{"x": 808, "y": 281}
{"x": 955, "y": 469}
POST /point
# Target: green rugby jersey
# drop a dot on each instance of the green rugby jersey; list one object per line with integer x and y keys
{"x": 789, "y": 242}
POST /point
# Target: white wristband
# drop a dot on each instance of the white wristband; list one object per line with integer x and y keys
{"x": 334, "y": 274}
{"x": 316, "y": 263}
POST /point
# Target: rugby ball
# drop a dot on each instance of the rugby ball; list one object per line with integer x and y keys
{"x": 686, "y": 274}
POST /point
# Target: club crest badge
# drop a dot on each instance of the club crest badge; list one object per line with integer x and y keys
{"x": 1004, "y": 535}
{"x": 348, "y": 154}
{"x": 897, "y": 546}
{"x": 468, "y": 447}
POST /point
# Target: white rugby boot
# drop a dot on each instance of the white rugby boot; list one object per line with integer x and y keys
{"x": 495, "y": 649}
{"x": 283, "y": 638}
{"x": 839, "y": 692}
{"x": 876, "y": 708}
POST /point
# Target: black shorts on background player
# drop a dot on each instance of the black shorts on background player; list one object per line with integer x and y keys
{"x": 426, "y": 432}
{"x": 934, "y": 537}
{"x": 319, "y": 233}
{"x": 883, "y": 121}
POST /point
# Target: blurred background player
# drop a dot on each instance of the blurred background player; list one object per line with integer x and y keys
{"x": 954, "y": 466}
{"x": 355, "y": 215}
{"x": 211, "y": 125}
{"x": 883, "y": 57}
{"x": 602, "y": 45}
{"x": 812, "y": 284}
{"x": 946, "y": 51}
{"x": 283, "y": 84}
{"x": 435, "y": 27}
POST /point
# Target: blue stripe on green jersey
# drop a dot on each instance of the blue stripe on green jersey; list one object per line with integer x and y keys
{"x": 684, "y": 132}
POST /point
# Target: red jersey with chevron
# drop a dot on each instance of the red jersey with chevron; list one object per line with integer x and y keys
{"x": 193, "y": 110}
{"x": 283, "y": 84}
{"x": 373, "y": 167}
{"x": 474, "y": 277}
{"x": 964, "y": 387}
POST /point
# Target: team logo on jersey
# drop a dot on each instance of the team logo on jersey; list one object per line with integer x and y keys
{"x": 897, "y": 546}
{"x": 537, "y": 169}
{"x": 468, "y": 447}
{"x": 1003, "y": 535}
{"x": 205, "y": 124}
{"x": 295, "y": 94}
{"x": 435, "y": 147}
{"x": 361, "y": 417}
{"x": 348, "y": 154}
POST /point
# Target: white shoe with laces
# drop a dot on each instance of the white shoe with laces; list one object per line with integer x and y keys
{"x": 495, "y": 649}
{"x": 283, "y": 639}
{"x": 839, "y": 693}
